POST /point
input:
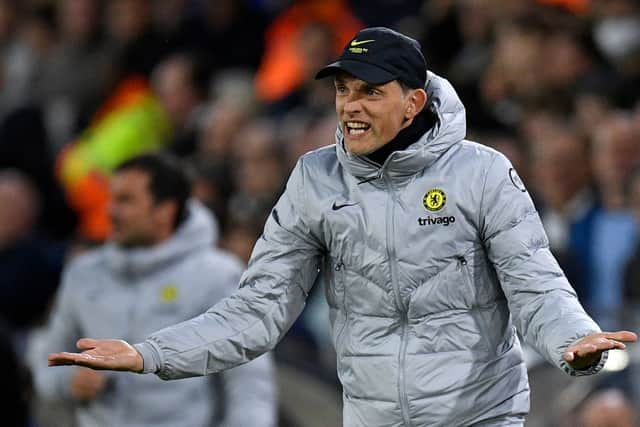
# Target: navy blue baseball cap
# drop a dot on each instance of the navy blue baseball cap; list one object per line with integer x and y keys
{"x": 379, "y": 55}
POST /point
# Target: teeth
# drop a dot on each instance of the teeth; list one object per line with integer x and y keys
{"x": 357, "y": 125}
{"x": 356, "y": 131}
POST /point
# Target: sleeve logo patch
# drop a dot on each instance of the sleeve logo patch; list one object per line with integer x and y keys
{"x": 434, "y": 200}
{"x": 169, "y": 293}
{"x": 515, "y": 179}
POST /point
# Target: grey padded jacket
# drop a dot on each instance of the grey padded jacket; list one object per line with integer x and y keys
{"x": 432, "y": 261}
{"x": 130, "y": 293}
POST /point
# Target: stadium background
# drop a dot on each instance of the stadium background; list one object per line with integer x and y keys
{"x": 227, "y": 86}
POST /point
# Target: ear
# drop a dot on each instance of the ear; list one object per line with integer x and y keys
{"x": 416, "y": 102}
{"x": 166, "y": 212}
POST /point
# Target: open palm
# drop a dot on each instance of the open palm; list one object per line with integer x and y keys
{"x": 587, "y": 351}
{"x": 116, "y": 355}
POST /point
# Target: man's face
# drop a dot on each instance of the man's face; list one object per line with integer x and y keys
{"x": 135, "y": 217}
{"x": 370, "y": 115}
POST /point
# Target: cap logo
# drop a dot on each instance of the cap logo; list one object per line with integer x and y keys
{"x": 354, "y": 46}
{"x": 355, "y": 42}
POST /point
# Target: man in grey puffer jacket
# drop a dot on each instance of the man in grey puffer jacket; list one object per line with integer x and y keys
{"x": 432, "y": 250}
{"x": 160, "y": 268}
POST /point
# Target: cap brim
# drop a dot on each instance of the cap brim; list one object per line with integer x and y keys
{"x": 363, "y": 70}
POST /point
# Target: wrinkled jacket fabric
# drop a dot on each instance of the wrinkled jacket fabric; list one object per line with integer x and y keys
{"x": 424, "y": 303}
{"x": 130, "y": 293}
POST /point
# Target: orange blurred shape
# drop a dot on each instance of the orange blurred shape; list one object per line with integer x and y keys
{"x": 577, "y": 7}
{"x": 282, "y": 68}
{"x": 89, "y": 197}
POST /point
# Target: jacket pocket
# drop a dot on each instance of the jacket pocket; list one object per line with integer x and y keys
{"x": 335, "y": 286}
{"x": 476, "y": 310}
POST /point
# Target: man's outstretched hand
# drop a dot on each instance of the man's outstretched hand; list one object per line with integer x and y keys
{"x": 588, "y": 350}
{"x": 115, "y": 355}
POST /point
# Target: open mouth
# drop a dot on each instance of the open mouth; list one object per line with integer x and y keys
{"x": 356, "y": 128}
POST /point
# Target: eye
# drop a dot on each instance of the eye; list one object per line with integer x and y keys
{"x": 372, "y": 91}
{"x": 341, "y": 88}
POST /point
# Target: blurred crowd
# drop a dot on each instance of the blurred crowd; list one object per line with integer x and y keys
{"x": 227, "y": 86}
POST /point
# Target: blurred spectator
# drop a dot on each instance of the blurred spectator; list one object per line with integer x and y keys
{"x": 230, "y": 31}
{"x": 239, "y": 238}
{"x": 131, "y": 35}
{"x": 284, "y": 66}
{"x": 258, "y": 174}
{"x": 24, "y": 146}
{"x": 617, "y": 34}
{"x": 614, "y": 154}
{"x": 474, "y": 20}
{"x": 13, "y": 391}
{"x": 314, "y": 47}
{"x": 26, "y": 50}
{"x": 30, "y": 265}
{"x": 159, "y": 269}
{"x": 632, "y": 270}
{"x": 608, "y": 408}
{"x": 77, "y": 73}
{"x": 565, "y": 199}
{"x": 181, "y": 83}
{"x": 303, "y": 131}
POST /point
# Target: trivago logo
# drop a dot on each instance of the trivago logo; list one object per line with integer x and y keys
{"x": 440, "y": 220}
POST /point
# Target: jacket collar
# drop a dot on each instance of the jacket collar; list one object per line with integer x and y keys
{"x": 198, "y": 232}
{"x": 450, "y": 128}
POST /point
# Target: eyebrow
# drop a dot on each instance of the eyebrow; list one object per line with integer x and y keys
{"x": 362, "y": 86}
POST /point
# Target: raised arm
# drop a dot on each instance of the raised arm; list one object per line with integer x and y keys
{"x": 544, "y": 306}
{"x": 271, "y": 295}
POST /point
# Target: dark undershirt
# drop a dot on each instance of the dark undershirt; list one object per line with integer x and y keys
{"x": 407, "y": 136}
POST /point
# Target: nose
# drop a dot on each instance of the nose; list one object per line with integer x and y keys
{"x": 353, "y": 105}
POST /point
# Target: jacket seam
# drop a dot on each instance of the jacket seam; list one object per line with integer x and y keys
{"x": 514, "y": 224}
{"x": 484, "y": 186}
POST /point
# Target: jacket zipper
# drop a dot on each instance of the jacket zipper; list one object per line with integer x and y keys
{"x": 402, "y": 310}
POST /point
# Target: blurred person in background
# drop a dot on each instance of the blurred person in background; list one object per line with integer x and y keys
{"x": 566, "y": 199}
{"x": 283, "y": 67}
{"x": 160, "y": 267}
{"x": 30, "y": 264}
{"x": 132, "y": 38}
{"x": 314, "y": 45}
{"x": 616, "y": 32}
{"x": 258, "y": 173}
{"x": 632, "y": 269}
{"x": 304, "y": 131}
{"x": 24, "y": 53}
{"x": 181, "y": 83}
{"x": 225, "y": 117}
{"x": 24, "y": 145}
{"x": 13, "y": 390}
{"x": 233, "y": 30}
{"x": 614, "y": 155}
{"x": 77, "y": 72}
{"x": 608, "y": 408}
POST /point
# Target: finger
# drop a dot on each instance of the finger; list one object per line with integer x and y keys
{"x": 61, "y": 359}
{"x": 585, "y": 349}
{"x": 86, "y": 343}
{"x": 80, "y": 359}
{"x": 622, "y": 336}
{"x": 598, "y": 345}
{"x": 569, "y": 356}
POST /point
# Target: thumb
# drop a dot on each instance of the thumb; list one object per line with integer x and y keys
{"x": 86, "y": 343}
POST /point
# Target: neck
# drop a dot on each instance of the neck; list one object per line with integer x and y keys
{"x": 407, "y": 136}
